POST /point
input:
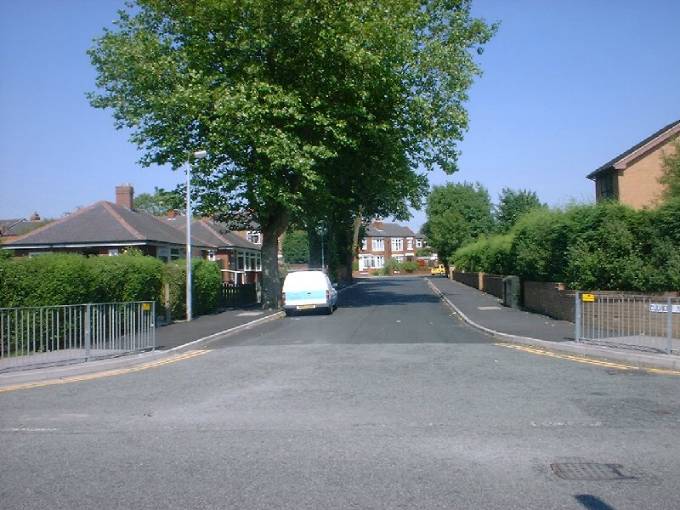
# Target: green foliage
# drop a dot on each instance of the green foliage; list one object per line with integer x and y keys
{"x": 489, "y": 255}
{"x": 671, "y": 173}
{"x": 296, "y": 247}
{"x": 408, "y": 266}
{"x": 160, "y": 202}
{"x": 63, "y": 279}
{"x": 512, "y": 205}
{"x": 321, "y": 107}
{"x": 607, "y": 246}
{"x": 456, "y": 215}
{"x": 425, "y": 251}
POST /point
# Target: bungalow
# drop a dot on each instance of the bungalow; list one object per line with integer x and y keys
{"x": 633, "y": 176}
{"x": 106, "y": 228}
{"x": 11, "y": 229}
{"x": 239, "y": 259}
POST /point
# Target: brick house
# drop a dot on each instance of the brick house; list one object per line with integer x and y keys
{"x": 632, "y": 177}
{"x": 239, "y": 259}
{"x": 388, "y": 240}
{"x": 106, "y": 228}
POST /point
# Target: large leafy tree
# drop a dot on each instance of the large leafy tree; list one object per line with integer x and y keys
{"x": 277, "y": 92}
{"x": 159, "y": 202}
{"x": 512, "y": 205}
{"x": 456, "y": 215}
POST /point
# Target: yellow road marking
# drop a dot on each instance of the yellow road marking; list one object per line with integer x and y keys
{"x": 589, "y": 361}
{"x": 105, "y": 373}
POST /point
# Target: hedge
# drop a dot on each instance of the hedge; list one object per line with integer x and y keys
{"x": 62, "y": 279}
{"x": 606, "y": 246}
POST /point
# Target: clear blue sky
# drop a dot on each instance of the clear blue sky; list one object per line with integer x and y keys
{"x": 567, "y": 85}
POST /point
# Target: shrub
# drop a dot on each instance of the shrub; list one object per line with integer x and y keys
{"x": 408, "y": 266}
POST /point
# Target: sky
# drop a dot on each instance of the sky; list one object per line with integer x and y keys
{"x": 566, "y": 86}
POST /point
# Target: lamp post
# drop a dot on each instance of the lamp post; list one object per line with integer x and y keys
{"x": 321, "y": 230}
{"x": 196, "y": 155}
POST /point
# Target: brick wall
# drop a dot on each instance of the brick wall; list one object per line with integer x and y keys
{"x": 549, "y": 298}
{"x": 493, "y": 284}
{"x": 469, "y": 279}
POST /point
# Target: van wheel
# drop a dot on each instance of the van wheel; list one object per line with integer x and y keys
{"x": 289, "y": 313}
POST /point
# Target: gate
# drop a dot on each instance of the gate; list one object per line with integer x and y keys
{"x": 635, "y": 321}
{"x": 35, "y": 336}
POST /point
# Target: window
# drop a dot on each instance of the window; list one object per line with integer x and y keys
{"x": 113, "y": 252}
{"x": 607, "y": 186}
{"x": 419, "y": 243}
{"x": 240, "y": 261}
{"x": 212, "y": 255}
{"x": 372, "y": 261}
{"x": 259, "y": 261}
{"x": 175, "y": 254}
{"x": 399, "y": 258}
{"x": 397, "y": 244}
{"x": 254, "y": 236}
{"x": 378, "y": 244}
{"x": 364, "y": 244}
{"x": 409, "y": 244}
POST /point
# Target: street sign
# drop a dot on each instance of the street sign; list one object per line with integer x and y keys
{"x": 588, "y": 298}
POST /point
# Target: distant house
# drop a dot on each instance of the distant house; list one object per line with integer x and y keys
{"x": 106, "y": 228}
{"x": 388, "y": 240}
{"x": 239, "y": 259}
{"x": 632, "y": 177}
{"x": 12, "y": 228}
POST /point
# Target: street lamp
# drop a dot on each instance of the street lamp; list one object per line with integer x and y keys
{"x": 196, "y": 155}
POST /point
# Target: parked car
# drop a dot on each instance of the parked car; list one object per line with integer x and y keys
{"x": 308, "y": 290}
{"x": 438, "y": 270}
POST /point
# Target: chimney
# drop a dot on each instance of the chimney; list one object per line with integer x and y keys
{"x": 35, "y": 217}
{"x": 125, "y": 194}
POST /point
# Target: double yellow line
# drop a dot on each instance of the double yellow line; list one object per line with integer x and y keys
{"x": 589, "y": 361}
{"x": 105, "y": 373}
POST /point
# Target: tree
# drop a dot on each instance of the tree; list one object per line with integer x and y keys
{"x": 296, "y": 247}
{"x": 456, "y": 215}
{"x": 160, "y": 202}
{"x": 277, "y": 93}
{"x": 512, "y": 205}
{"x": 671, "y": 173}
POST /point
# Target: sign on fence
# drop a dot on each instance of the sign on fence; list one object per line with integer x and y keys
{"x": 663, "y": 308}
{"x": 588, "y": 298}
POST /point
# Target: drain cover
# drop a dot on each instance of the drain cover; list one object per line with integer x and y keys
{"x": 590, "y": 471}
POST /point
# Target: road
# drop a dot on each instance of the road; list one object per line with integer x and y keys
{"x": 389, "y": 403}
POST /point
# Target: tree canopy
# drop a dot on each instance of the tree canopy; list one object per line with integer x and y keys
{"x": 296, "y": 247}
{"x": 159, "y": 202}
{"x": 512, "y": 205}
{"x": 297, "y": 103}
{"x": 456, "y": 215}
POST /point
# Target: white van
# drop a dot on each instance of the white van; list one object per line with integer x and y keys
{"x": 308, "y": 290}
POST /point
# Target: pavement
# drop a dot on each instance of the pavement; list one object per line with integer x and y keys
{"x": 391, "y": 402}
{"x": 486, "y": 313}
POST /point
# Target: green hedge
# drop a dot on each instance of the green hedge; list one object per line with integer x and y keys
{"x": 606, "y": 246}
{"x": 61, "y": 279}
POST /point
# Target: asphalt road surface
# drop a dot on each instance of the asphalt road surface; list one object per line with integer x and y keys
{"x": 390, "y": 403}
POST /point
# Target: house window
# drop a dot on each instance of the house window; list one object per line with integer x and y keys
{"x": 254, "y": 236}
{"x": 175, "y": 254}
{"x": 372, "y": 262}
{"x": 397, "y": 244}
{"x": 419, "y": 243}
{"x": 364, "y": 244}
{"x": 240, "y": 261}
{"x": 113, "y": 252}
{"x": 259, "y": 261}
{"x": 212, "y": 255}
{"x": 607, "y": 186}
{"x": 378, "y": 244}
{"x": 409, "y": 244}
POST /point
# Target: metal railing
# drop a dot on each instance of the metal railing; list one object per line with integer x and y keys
{"x": 50, "y": 334}
{"x": 633, "y": 321}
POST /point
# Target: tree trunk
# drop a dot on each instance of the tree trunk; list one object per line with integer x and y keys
{"x": 314, "y": 248}
{"x": 272, "y": 227}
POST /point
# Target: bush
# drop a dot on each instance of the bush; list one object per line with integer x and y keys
{"x": 64, "y": 279}
{"x": 606, "y": 246}
{"x": 408, "y": 266}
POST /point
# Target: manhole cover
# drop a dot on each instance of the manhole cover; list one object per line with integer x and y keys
{"x": 590, "y": 471}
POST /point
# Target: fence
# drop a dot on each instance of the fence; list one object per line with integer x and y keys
{"x": 238, "y": 295}
{"x": 641, "y": 322}
{"x": 48, "y": 334}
